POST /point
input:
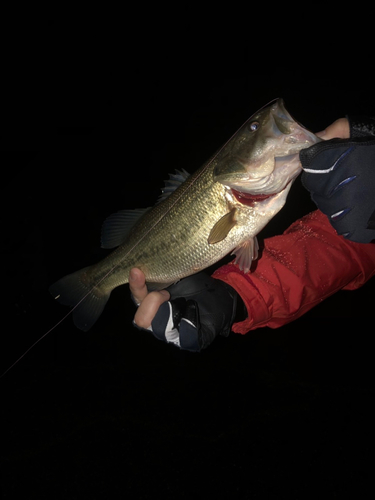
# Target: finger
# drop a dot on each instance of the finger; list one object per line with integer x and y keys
{"x": 339, "y": 128}
{"x": 137, "y": 285}
{"x": 149, "y": 307}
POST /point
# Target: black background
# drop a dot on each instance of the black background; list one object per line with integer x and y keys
{"x": 113, "y": 412}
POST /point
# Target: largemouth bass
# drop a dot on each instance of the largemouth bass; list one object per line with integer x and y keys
{"x": 199, "y": 218}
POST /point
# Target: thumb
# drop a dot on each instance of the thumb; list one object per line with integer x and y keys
{"x": 338, "y": 129}
{"x": 149, "y": 307}
{"x": 137, "y": 285}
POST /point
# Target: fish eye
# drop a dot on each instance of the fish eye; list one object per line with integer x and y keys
{"x": 253, "y": 126}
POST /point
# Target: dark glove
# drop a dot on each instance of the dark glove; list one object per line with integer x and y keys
{"x": 340, "y": 175}
{"x": 200, "y": 308}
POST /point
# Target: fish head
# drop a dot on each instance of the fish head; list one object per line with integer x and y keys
{"x": 262, "y": 158}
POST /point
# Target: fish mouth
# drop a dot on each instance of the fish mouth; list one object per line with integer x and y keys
{"x": 250, "y": 199}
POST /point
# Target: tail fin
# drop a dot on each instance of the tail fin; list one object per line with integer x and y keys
{"x": 87, "y": 301}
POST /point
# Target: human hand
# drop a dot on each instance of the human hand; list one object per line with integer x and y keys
{"x": 339, "y": 128}
{"x": 148, "y": 302}
{"x": 190, "y": 314}
{"x": 339, "y": 172}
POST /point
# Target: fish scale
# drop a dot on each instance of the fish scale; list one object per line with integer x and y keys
{"x": 218, "y": 209}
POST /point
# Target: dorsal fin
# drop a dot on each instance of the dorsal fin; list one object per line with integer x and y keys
{"x": 171, "y": 184}
{"x": 116, "y": 227}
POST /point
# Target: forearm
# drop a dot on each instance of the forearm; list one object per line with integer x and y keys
{"x": 296, "y": 271}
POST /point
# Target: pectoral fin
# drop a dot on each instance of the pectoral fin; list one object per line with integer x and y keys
{"x": 222, "y": 227}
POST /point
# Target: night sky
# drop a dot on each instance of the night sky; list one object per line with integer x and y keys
{"x": 113, "y": 411}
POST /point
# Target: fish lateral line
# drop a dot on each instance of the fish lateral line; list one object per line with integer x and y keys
{"x": 70, "y": 312}
{"x": 222, "y": 228}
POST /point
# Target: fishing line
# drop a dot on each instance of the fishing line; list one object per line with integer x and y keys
{"x": 183, "y": 191}
{"x": 59, "y": 322}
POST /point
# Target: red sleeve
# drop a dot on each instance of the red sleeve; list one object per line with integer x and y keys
{"x": 296, "y": 271}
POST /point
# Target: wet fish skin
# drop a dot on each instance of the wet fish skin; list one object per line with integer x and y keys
{"x": 211, "y": 213}
{"x": 252, "y": 159}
